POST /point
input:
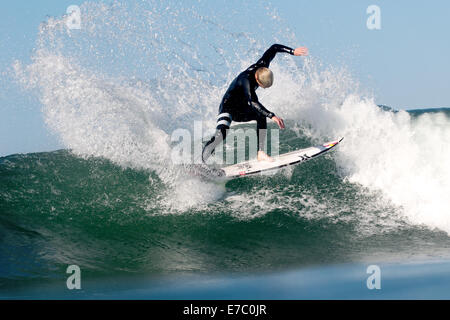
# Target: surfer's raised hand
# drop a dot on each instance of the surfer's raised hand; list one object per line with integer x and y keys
{"x": 278, "y": 121}
{"x": 301, "y": 51}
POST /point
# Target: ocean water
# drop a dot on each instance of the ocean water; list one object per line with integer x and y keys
{"x": 113, "y": 203}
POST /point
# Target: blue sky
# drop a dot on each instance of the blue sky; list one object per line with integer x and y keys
{"x": 405, "y": 64}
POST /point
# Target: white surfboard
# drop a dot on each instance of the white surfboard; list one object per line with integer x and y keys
{"x": 286, "y": 159}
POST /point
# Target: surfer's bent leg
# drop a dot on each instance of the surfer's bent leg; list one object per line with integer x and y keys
{"x": 262, "y": 132}
{"x": 223, "y": 124}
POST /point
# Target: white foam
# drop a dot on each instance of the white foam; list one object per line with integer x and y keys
{"x": 404, "y": 158}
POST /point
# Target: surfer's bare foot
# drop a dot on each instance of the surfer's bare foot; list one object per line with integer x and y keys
{"x": 262, "y": 156}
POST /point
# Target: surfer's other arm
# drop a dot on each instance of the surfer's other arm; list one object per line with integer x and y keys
{"x": 266, "y": 113}
{"x": 258, "y": 107}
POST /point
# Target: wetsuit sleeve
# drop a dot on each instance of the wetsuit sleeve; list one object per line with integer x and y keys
{"x": 255, "y": 105}
{"x": 261, "y": 110}
{"x": 270, "y": 53}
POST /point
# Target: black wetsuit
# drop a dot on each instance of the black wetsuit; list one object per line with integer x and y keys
{"x": 240, "y": 103}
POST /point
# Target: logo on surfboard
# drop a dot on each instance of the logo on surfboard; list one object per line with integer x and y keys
{"x": 304, "y": 157}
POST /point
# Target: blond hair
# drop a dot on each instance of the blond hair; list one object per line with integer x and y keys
{"x": 264, "y": 77}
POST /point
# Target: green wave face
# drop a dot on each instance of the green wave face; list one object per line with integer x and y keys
{"x": 57, "y": 209}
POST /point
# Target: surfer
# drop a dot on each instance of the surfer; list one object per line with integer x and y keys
{"x": 240, "y": 102}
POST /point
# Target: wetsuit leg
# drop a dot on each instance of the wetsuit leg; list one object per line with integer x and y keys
{"x": 223, "y": 124}
{"x": 261, "y": 131}
{"x": 261, "y": 125}
{"x": 210, "y": 146}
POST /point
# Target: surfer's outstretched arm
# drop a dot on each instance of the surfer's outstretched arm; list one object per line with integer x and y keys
{"x": 270, "y": 53}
